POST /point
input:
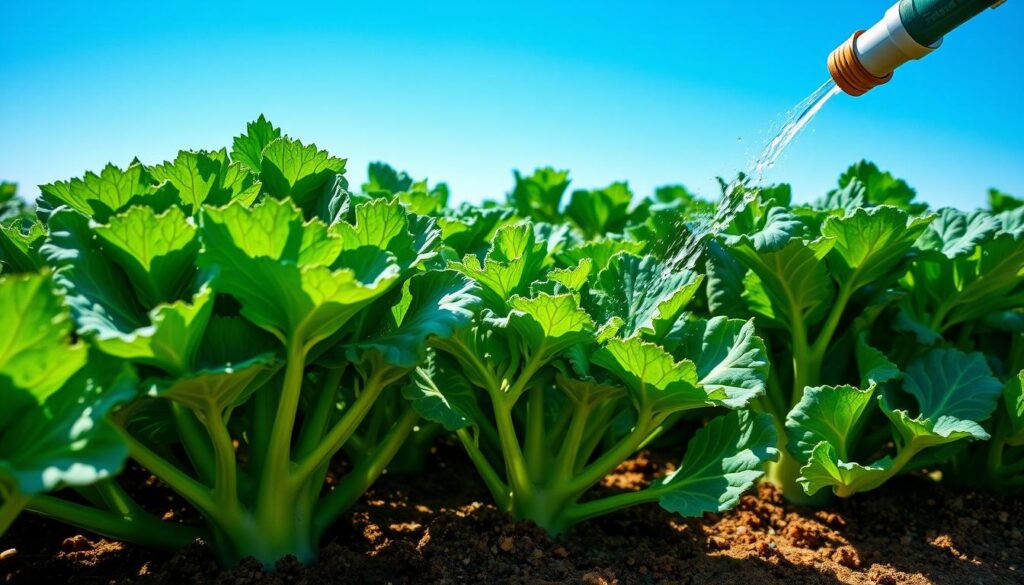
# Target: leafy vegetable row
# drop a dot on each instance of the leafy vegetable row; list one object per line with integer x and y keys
{"x": 267, "y": 343}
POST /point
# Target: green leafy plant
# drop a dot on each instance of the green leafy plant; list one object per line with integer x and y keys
{"x": 967, "y": 291}
{"x": 271, "y": 322}
{"x": 826, "y": 280}
{"x": 569, "y": 371}
{"x": 54, "y": 431}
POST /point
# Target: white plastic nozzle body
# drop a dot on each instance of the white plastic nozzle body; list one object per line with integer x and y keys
{"x": 887, "y": 45}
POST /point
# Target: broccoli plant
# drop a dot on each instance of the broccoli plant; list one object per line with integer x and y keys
{"x": 567, "y": 372}
{"x": 266, "y": 316}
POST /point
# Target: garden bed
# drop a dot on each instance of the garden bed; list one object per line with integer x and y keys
{"x": 441, "y": 528}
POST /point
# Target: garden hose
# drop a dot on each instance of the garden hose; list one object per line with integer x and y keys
{"x": 909, "y": 30}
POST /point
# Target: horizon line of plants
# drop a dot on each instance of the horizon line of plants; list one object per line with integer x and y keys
{"x": 242, "y": 325}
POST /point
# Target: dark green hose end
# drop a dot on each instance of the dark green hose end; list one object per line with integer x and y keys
{"x": 927, "y": 21}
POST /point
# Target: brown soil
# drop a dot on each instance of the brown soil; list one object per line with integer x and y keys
{"x": 435, "y": 528}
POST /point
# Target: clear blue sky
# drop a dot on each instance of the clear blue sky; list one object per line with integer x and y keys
{"x": 652, "y": 92}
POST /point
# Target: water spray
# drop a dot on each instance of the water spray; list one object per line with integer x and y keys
{"x": 909, "y": 30}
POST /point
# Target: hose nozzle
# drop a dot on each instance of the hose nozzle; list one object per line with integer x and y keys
{"x": 849, "y": 73}
{"x": 868, "y": 58}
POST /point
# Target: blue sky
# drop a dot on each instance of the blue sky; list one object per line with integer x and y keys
{"x": 651, "y": 92}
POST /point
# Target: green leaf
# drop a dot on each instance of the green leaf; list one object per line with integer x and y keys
{"x": 599, "y": 251}
{"x": 573, "y": 278}
{"x": 1013, "y": 401}
{"x": 830, "y": 414}
{"x": 157, "y": 251}
{"x": 723, "y": 459}
{"x": 728, "y": 355}
{"x": 539, "y": 196}
{"x": 999, "y": 201}
{"x": 600, "y": 211}
{"x": 954, "y": 390}
{"x": 170, "y": 341}
{"x": 99, "y": 294}
{"x": 956, "y": 233}
{"x": 549, "y": 324}
{"x": 66, "y": 440}
{"x": 382, "y": 178}
{"x": 432, "y": 304}
{"x": 796, "y": 285}
{"x": 211, "y": 391}
{"x": 779, "y": 227}
{"x": 19, "y": 246}
{"x": 874, "y": 367}
{"x": 386, "y": 225}
{"x": 291, "y": 169}
{"x": 825, "y": 469}
{"x": 100, "y": 196}
{"x": 646, "y": 294}
{"x": 37, "y": 355}
{"x": 202, "y": 177}
{"x": 423, "y": 201}
{"x": 725, "y": 286}
{"x": 248, "y": 148}
{"x": 232, "y": 340}
{"x": 587, "y": 391}
{"x": 871, "y": 243}
{"x": 511, "y": 265}
{"x": 848, "y": 198}
{"x": 657, "y": 383}
{"x": 286, "y": 273}
{"x": 440, "y": 392}
{"x": 468, "y": 229}
{"x": 881, "y": 188}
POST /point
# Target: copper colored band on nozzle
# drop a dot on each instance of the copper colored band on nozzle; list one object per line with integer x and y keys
{"x": 848, "y": 72}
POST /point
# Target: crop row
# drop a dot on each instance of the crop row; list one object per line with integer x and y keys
{"x": 244, "y": 326}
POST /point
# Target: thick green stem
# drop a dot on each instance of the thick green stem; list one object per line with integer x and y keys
{"x": 611, "y": 459}
{"x": 340, "y": 432}
{"x": 480, "y": 375}
{"x": 145, "y": 530}
{"x": 498, "y": 488}
{"x": 994, "y": 458}
{"x": 194, "y": 441}
{"x": 190, "y": 489}
{"x": 359, "y": 479}
{"x": 116, "y": 499}
{"x": 824, "y": 338}
{"x": 801, "y": 359}
{"x": 556, "y": 434}
{"x": 596, "y": 429}
{"x": 579, "y": 512}
{"x": 515, "y": 463}
{"x": 264, "y": 402}
{"x": 10, "y": 509}
{"x": 319, "y": 417}
{"x": 274, "y": 485}
{"x": 565, "y": 463}
{"x": 784, "y": 473}
{"x": 535, "y": 362}
{"x": 536, "y": 452}
{"x": 1012, "y": 468}
{"x": 225, "y": 485}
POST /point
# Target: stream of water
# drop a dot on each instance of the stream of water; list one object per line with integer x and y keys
{"x": 741, "y": 191}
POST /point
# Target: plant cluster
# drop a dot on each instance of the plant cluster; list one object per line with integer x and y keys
{"x": 267, "y": 342}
